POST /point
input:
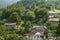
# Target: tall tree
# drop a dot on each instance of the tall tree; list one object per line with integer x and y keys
{"x": 14, "y": 17}
{"x": 58, "y": 28}
{"x": 41, "y": 15}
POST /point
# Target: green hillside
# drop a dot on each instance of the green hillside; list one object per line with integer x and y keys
{"x": 26, "y": 14}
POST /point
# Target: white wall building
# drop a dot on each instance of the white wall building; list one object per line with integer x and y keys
{"x": 10, "y": 26}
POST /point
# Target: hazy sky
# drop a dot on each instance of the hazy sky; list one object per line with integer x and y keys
{"x": 4, "y": 3}
{"x": 7, "y": 1}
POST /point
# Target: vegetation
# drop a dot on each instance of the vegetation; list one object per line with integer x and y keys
{"x": 58, "y": 29}
{"x": 58, "y": 11}
{"x": 26, "y": 13}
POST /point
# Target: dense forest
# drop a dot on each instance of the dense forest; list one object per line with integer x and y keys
{"x": 27, "y": 13}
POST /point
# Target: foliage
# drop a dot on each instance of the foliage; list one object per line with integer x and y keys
{"x": 14, "y": 17}
{"x": 41, "y": 15}
{"x": 26, "y": 13}
{"x": 58, "y": 11}
{"x": 58, "y": 28}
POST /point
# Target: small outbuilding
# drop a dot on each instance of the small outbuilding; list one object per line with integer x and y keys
{"x": 10, "y": 26}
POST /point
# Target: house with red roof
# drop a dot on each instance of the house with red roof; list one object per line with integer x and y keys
{"x": 37, "y": 33}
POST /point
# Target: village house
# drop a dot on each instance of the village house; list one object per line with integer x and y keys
{"x": 53, "y": 16}
{"x": 38, "y": 33}
{"x": 10, "y": 26}
{"x": 55, "y": 20}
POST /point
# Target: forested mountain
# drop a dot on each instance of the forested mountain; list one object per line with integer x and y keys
{"x": 50, "y": 4}
{"x": 4, "y": 3}
{"x": 26, "y": 13}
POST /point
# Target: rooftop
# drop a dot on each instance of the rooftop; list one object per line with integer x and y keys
{"x": 52, "y": 12}
{"x": 10, "y": 24}
{"x": 54, "y": 19}
{"x": 36, "y": 26}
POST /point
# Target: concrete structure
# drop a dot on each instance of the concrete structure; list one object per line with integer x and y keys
{"x": 10, "y": 26}
{"x": 53, "y": 16}
{"x": 54, "y": 19}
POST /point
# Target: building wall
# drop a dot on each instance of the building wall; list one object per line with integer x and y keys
{"x": 10, "y": 26}
{"x": 34, "y": 37}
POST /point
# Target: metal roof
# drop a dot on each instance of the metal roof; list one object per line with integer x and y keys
{"x": 54, "y": 19}
{"x": 10, "y": 24}
{"x": 52, "y": 12}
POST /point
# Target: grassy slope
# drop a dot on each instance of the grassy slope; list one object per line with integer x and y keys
{"x": 58, "y": 11}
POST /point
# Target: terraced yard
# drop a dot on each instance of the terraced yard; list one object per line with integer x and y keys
{"x": 58, "y": 11}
